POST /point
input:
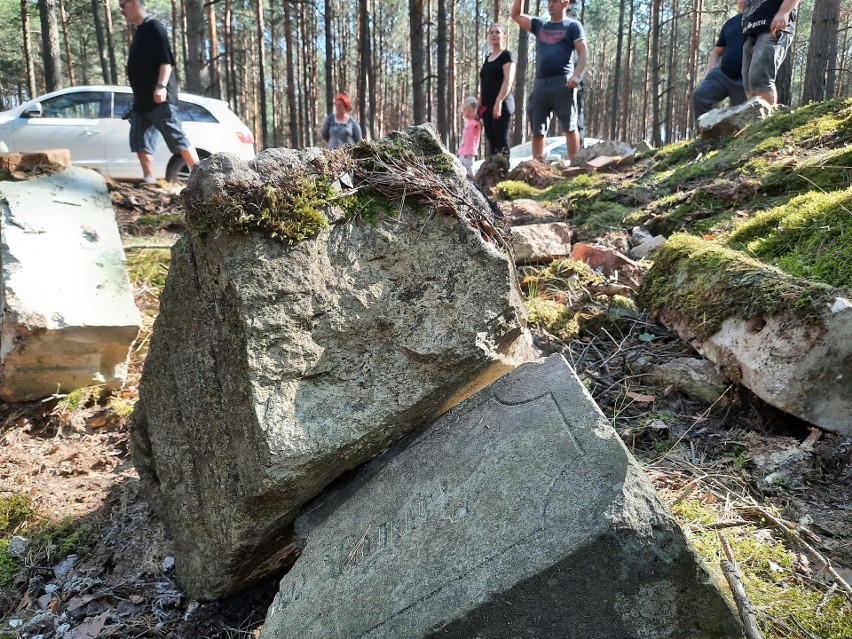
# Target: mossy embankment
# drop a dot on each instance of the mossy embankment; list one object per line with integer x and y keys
{"x": 707, "y": 283}
{"x": 778, "y": 191}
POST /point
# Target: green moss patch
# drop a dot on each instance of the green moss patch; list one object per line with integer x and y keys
{"x": 810, "y": 236}
{"x": 290, "y": 211}
{"x": 826, "y": 171}
{"x": 707, "y": 283}
{"x": 151, "y": 223}
{"x": 15, "y": 510}
{"x": 784, "y": 603}
{"x": 148, "y": 267}
{"x": 581, "y": 185}
{"x": 561, "y": 300}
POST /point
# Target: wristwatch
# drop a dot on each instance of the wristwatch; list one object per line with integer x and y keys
{"x": 161, "y": 86}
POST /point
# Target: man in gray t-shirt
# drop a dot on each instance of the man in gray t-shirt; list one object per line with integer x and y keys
{"x": 557, "y": 75}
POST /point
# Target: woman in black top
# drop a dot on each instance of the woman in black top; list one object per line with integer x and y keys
{"x": 495, "y": 99}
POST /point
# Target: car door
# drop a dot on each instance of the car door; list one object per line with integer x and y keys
{"x": 121, "y": 162}
{"x": 68, "y": 121}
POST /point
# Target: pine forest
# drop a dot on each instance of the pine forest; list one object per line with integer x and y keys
{"x": 279, "y": 63}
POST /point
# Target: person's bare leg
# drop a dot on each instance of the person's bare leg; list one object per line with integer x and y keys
{"x": 769, "y": 96}
{"x": 538, "y": 146}
{"x": 147, "y": 162}
{"x": 190, "y": 156}
{"x": 572, "y": 141}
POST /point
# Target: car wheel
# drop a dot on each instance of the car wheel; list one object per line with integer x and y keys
{"x": 178, "y": 170}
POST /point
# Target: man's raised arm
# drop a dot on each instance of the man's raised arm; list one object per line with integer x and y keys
{"x": 522, "y": 19}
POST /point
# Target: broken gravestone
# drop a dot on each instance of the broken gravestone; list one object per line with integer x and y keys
{"x": 786, "y": 339}
{"x": 275, "y": 366}
{"x": 66, "y": 307}
{"x": 517, "y": 514}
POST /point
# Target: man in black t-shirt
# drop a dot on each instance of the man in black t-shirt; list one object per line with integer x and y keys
{"x": 724, "y": 77}
{"x": 150, "y": 65}
{"x": 768, "y": 30}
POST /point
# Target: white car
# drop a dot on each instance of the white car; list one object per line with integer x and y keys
{"x": 87, "y": 120}
{"x": 555, "y": 150}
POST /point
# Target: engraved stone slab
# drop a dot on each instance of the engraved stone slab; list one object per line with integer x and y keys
{"x": 517, "y": 514}
{"x": 67, "y": 314}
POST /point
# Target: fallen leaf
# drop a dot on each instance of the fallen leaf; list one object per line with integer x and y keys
{"x": 92, "y": 628}
{"x": 647, "y": 337}
{"x": 644, "y": 399}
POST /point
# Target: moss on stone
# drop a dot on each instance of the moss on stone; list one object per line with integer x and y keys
{"x": 9, "y": 567}
{"x": 371, "y": 206}
{"x": 416, "y": 145}
{"x": 291, "y": 211}
{"x": 707, "y": 283}
{"x": 580, "y": 186}
{"x": 60, "y": 539}
{"x": 810, "y": 236}
{"x": 553, "y": 316}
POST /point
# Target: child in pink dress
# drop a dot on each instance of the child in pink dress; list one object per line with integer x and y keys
{"x": 470, "y": 135}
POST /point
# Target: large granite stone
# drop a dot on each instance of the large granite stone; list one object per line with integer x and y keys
{"x": 66, "y": 307}
{"x": 273, "y": 368}
{"x": 517, "y": 514}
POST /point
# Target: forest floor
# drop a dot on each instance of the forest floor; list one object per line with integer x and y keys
{"x": 85, "y": 557}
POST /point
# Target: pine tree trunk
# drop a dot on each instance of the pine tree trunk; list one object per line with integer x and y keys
{"x": 291, "y": 79}
{"x": 261, "y": 72}
{"x": 616, "y": 84}
{"x": 443, "y": 120}
{"x": 113, "y": 66}
{"x": 69, "y": 60}
{"x": 628, "y": 69}
{"x": 28, "y": 49}
{"x": 822, "y": 51}
{"x": 365, "y": 77}
{"x": 53, "y": 77}
{"x": 415, "y": 13}
{"x": 656, "y": 115}
{"x": 451, "y": 79}
{"x": 215, "y": 88}
{"x": 230, "y": 63}
{"x": 99, "y": 35}
{"x": 329, "y": 55}
{"x": 196, "y": 79}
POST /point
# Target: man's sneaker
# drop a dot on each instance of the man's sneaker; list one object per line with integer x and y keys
{"x": 146, "y": 181}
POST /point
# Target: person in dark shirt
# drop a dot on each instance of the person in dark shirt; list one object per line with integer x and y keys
{"x": 150, "y": 66}
{"x": 495, "y": 85}
{"x": 557, "y": 73}
{"x": 768, "y": 30}
{"x": 724, "y": 77}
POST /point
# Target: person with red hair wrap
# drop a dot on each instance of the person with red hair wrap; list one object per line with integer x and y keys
{"x": 340, "y": 127}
